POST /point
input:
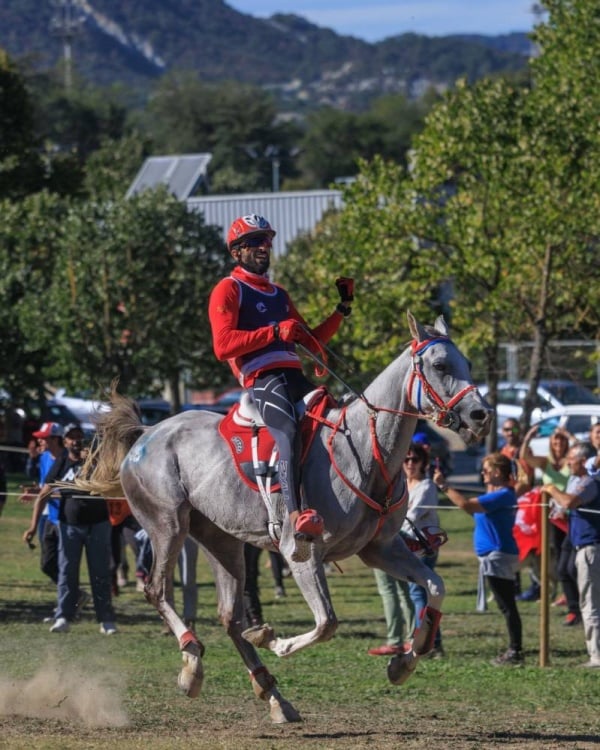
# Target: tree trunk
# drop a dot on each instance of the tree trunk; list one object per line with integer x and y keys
{"x": 540, "y": 340}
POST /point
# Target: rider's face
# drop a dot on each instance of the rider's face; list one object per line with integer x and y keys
{"x": 254, "y": 254}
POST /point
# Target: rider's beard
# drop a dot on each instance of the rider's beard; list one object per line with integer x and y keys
{"x": 256, "y": 266}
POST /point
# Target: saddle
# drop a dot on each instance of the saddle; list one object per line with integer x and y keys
{"x": 253, "y": 450}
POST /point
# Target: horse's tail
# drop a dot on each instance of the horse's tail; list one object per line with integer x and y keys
{"x": 117, "y": 431}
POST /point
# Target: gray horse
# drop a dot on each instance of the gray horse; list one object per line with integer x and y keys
{"x": 179, "y": 478}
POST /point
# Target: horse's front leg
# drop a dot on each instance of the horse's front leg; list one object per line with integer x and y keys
{"x": 311, "y": 580}
{"x": 397, "y": 560}
{"x": 226, "y": 558}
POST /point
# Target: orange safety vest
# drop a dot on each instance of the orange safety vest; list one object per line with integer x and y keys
{"x": 118, "y": 510}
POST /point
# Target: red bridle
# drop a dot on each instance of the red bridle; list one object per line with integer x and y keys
{"x": 444, "y": 410}
{"x": 444, "y": 416}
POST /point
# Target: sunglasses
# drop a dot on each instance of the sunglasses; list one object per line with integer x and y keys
{"x": 254, "y": 242}
{"x": 412, "y": 460}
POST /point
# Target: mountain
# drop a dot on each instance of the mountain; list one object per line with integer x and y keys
{"x": 137, "y": 42}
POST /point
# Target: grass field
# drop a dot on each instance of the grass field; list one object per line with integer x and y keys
{"x": 83, "y": 690}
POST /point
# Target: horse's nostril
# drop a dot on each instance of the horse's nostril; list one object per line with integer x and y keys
{"x": 478, "y": 415}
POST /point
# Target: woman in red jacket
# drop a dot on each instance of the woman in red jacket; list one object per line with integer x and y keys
{"x": 255, "y": 327}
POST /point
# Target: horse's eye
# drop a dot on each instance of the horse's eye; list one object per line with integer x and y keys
{"x": 439, "y": 366}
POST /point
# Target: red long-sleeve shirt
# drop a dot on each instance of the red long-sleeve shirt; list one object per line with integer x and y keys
{"x": 233, "y": 343}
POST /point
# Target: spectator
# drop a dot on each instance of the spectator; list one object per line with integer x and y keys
{"x": 48, "y": 447}
{"x": 592, "y": 464}
{"x": 398, "y": 611}
{"x": 582, "y": 499}
{"x": 124, "y": 527}
{"x": 252, "y": 603}
{"x": 421, "y": 520}
{"x": 494, "y": 516}
{"x": 255, "y": 328}
{"x": 523, "y": 477}
{"x": 512, "y": 449}
{"x": 46, "y": 444}
{"x": 83, "y": 522}
{"x": 187, "y": 563}
{"x": 555, "y": 470}
{"x": 2, "y": 486}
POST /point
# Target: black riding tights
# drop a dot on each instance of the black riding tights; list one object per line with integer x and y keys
{"x": 504, "y": 594}
{"x": 275, "y": 393}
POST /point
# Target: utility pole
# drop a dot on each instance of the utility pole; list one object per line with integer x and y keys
{"x": 66, "y": 24}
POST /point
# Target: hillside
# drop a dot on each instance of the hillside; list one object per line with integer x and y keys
{"x": 136, "y": 43}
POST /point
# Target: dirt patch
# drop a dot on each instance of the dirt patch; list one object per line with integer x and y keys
{"x": 66, "y": 693}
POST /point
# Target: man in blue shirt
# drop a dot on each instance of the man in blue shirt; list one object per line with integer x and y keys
{"x": 581, "y": 498}
{"x": 49, "y": 447}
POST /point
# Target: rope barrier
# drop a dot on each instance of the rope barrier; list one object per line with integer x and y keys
{"x": 424, "y": 507}
{"x": 13, "y": 449}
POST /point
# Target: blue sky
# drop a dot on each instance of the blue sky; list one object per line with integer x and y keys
{"x": 373, "y": 20}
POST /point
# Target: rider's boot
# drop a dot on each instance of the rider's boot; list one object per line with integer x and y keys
{"x": 308, "y": 525}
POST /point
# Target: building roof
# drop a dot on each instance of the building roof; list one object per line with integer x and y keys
{"x": 180, "y": 173}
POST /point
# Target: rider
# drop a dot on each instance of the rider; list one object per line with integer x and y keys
{"x": 255, "y": 327}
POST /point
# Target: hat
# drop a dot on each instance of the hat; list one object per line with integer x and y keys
{"x": 421, "y": 437}
{"x": 71, "y": 427}
{"x": 49, "y": 429}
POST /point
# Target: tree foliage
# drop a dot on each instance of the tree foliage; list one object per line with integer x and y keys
{"x": 499, "y": 202}
{"x": 20, "y": 166}
{"x": 107, "y": 289}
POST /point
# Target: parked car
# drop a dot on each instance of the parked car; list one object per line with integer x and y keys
{"x": 551, "y": 394}
{"x": 222, "y": 404}
{"x": 84, "y": 411}
{"x": 154, "y": 410}
{"x": 576, "y": 418}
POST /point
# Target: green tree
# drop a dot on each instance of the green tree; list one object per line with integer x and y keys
{"x": 133, "y": 282}
{"x": 29, "y": 240}
{"x": 103, "y": 289}
{"x": 21, "y": 169}
{"x": 110, "y": 170}
{"x": 234, "y": 122}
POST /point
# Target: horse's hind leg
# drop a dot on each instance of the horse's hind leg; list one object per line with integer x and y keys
{"x": 167, "y": 526}
{"x": 226, "y": 557}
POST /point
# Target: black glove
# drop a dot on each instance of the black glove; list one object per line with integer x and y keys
{"x": 345, "y": 287}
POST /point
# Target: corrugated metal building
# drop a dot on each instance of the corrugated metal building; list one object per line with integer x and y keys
{"x": 290, "y": 213}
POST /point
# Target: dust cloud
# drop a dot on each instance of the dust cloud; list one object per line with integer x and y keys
{"x": 67, "y": 693}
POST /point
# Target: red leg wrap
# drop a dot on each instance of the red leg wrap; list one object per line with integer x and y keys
{"x": 425, "y": 635}
{"x": 187, "y": 638}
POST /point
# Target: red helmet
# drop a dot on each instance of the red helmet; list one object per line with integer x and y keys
{"x": 247, "y": 226}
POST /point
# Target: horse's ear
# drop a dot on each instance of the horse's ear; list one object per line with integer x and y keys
{"x": 416, "y": 329}
{"x": 441, "y": 326}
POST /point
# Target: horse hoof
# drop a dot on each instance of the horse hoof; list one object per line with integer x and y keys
{"x": 259, "y": 636}
{"x": 401, "y": 667}
{"x": 191, "y": 676}
{"x": 283, "y": 712}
